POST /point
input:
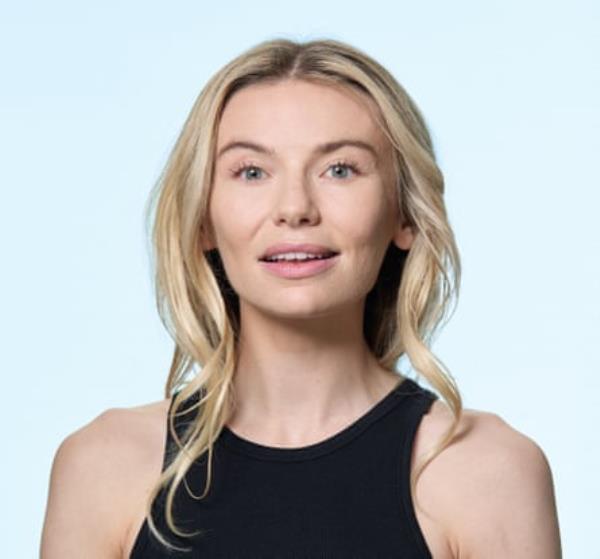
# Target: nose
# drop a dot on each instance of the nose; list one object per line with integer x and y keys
{"x": 294, "y": 203}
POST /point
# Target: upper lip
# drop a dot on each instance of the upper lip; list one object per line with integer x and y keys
{"x": 309, "y": 248}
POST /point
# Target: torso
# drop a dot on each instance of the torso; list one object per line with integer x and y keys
{"x": 152, "y": 418}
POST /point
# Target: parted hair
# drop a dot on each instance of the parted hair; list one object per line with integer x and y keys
{"x": 414, "y": 294}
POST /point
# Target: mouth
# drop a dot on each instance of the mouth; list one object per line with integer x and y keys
{"x": 294, "y": 260}
{"x": 300, "y": 268}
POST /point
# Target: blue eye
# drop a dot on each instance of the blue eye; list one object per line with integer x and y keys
{"x": 245, "y": 168}
{"x": 343, "y": 165}
{"x": 339, "y": 165}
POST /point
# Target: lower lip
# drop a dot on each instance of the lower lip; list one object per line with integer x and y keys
{"x": 299, "y": 269}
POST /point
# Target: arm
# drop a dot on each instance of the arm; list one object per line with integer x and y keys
{"x": 507, "y": 492}
{"x": 83, "y": 516}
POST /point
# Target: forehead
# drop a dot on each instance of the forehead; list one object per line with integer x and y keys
{"x": 299, "y": 112}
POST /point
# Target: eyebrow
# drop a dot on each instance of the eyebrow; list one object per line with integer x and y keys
{"x": 321, "y": 149}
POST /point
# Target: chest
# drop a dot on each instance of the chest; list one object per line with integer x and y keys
{"x": 345, "y": 504}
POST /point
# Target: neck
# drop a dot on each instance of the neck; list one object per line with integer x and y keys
{"x": 297, "y": 380}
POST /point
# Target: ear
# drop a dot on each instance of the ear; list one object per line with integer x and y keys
{"x": 404, "y": 236}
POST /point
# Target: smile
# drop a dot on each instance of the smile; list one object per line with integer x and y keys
{"x": 295, "y": 269}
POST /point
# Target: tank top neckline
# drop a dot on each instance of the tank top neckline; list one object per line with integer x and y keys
{"x": 405, "y": 387}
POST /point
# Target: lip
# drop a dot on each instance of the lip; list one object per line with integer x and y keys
{"x": 309, "y": 248}
{"x": 297, "y": 270}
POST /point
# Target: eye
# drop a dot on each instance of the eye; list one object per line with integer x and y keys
{"x": 254, "y": 171}
{"x": 243, "y": 168}
{"x": 345, "y": 165}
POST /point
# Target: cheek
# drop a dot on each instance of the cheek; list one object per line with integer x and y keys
{"x": 368, "y": 233}
{"x": 232, "y": 223}
{"x": 367, "y": 222}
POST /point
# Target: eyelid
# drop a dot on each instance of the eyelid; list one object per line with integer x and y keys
{"x": 354, "y": 166}
{"x": 238, "y": 169}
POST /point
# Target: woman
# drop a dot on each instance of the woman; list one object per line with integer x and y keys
{"x": 302, "y": 247}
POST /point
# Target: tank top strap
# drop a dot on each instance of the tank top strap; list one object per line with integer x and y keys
{"x": 419, "y": 406}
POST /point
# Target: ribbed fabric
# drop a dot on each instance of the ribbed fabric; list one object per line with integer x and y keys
{"x": 345, "y": 497}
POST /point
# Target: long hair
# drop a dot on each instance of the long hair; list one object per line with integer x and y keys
{"x": 411, "y": 298}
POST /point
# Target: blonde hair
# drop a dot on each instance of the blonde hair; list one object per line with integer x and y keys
{"x": 199, "y": 308}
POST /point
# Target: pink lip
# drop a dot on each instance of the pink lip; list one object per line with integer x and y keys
{"x": 298, "y": 270}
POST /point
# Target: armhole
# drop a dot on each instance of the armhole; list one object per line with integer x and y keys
{"x": 140, "y": 545}
{"x": 421, "y": 405}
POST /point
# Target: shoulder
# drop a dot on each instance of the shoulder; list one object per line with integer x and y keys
{"x": 491, "y": 489}
{"x": 100, "y": 476}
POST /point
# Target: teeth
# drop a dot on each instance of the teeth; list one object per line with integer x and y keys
{"x": 291, "y": 256}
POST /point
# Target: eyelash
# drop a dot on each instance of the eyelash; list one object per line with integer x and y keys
{"x": 352, "y": 165}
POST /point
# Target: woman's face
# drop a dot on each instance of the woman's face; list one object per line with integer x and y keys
{"x": 282, "y": 183}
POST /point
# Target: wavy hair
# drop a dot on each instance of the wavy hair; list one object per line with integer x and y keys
{"x": 411, "y": 298}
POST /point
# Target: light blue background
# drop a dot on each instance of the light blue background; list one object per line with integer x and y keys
{"x": 93, "y": 96}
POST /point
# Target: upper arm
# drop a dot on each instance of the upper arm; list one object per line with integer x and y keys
{"x": 83, "y": 516}
{"x": 507, "y": 495}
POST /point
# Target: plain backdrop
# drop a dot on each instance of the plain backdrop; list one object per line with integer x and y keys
{"x": 93, "y": 95}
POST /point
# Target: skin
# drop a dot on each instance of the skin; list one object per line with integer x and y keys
{"x": 304, "y": 371}
{"x": 322, "y": 371}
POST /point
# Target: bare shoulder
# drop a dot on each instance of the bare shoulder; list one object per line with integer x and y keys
{"x": 491, "y": 491}
{"x": 99, "y": 480}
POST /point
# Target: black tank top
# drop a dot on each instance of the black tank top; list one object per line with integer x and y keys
{"x": 347, "y": 496}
